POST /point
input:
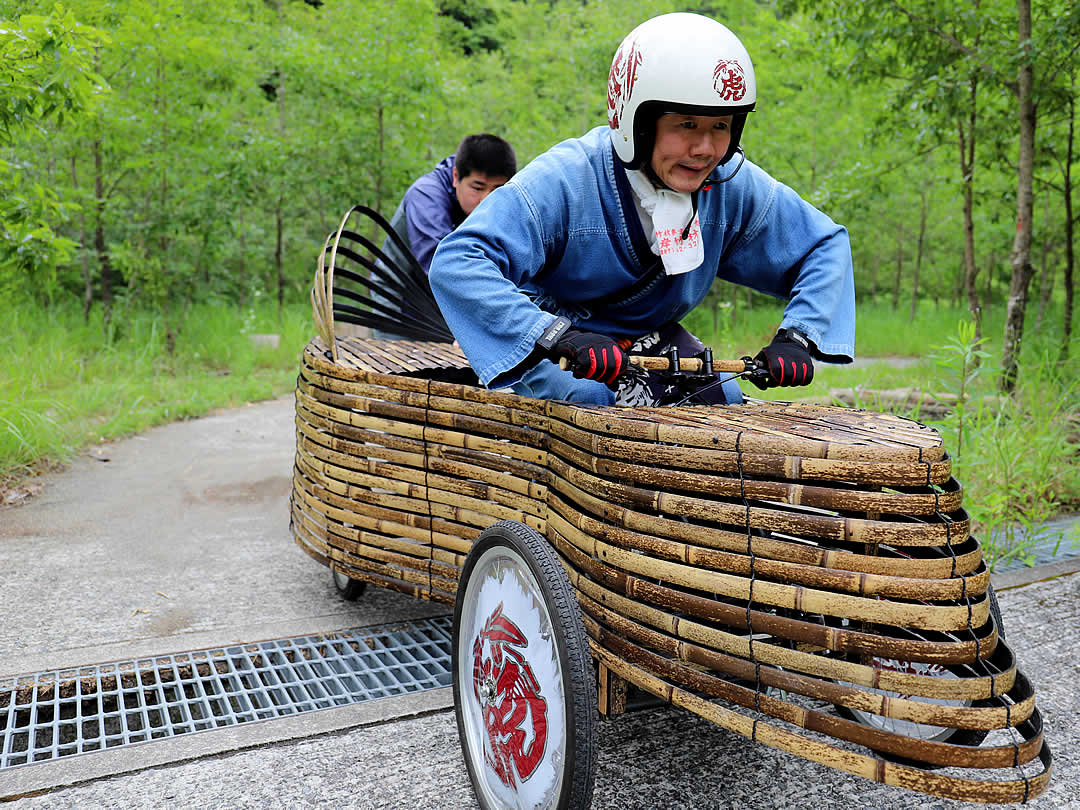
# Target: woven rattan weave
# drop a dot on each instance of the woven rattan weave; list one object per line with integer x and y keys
{"x": 756, "y": 564}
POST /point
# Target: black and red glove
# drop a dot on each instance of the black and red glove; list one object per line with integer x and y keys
{"x": 787, "y": 359}
{"x": 592, "y": 356}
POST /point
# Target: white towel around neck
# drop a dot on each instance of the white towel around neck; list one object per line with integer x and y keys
{"x": 665, "y": 213}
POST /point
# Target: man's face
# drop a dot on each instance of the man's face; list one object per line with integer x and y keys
{"x": 472, "y": 188}
{"x": 688, "y": 148}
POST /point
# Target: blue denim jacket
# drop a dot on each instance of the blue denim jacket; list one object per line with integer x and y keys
{"x": 564, "y": 232}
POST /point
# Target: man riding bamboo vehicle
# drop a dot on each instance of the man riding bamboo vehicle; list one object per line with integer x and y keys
{"x": 602, "y": 244}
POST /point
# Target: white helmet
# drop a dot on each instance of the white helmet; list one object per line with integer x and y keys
{"x": 682, "y": 63}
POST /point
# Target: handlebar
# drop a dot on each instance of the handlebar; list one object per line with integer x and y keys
{"x": 694, "y": 364}
{"x": 701, "y": 369}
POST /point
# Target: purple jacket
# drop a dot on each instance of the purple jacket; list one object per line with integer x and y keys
{"x": 429, "y": 211}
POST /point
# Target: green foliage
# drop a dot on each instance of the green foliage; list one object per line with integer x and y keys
{"x": 961, "y": 361}
{"x": 470, "y": 25}
{"x": 67, "y": 384}
{"x": 28, "y": 244}
{"x": 1016, "y": 456}
{"x": 45, "y": 69}
{"x": 46, "y": 79}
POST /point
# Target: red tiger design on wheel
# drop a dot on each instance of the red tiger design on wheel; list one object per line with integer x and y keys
{"x": 515, "y": 714}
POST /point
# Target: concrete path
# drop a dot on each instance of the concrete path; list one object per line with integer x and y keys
{"x": 178, "y": 539}
{"x": 175, "y": 539}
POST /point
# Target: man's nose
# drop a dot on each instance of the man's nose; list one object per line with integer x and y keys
{"x": 703, "y": 144}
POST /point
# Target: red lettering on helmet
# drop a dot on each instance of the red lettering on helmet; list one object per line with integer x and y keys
{"x": 729, "y": 79}
{"x": 621, "y": 79}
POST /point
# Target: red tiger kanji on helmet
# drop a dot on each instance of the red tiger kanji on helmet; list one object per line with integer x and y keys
{"x": 624, "y": 72}
{"x": 729, "y": 79}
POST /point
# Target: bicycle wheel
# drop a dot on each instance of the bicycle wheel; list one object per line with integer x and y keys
{"x": 924, "y": 731}
{"x": 524, "y": 689}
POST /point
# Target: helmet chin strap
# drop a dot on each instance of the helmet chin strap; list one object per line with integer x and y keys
{"x": 742, "y": 160}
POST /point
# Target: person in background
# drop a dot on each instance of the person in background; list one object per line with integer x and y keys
{"x": 439, "y": 201}
{"x": 604, "y": 242}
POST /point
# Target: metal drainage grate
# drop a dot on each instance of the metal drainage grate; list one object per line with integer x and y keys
{"x": 74, "y": 711}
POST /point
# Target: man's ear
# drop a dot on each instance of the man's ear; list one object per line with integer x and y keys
{"x": 455, "y": 177}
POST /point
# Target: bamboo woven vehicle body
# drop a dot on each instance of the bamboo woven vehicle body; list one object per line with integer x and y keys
{"x": 801, "y": 575}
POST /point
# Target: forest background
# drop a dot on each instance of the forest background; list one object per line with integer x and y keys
{"x": 169, "y": 171}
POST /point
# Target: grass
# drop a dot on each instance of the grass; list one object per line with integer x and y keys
{"x": 65, "y": 384}
{"x": 1016, "y": 457}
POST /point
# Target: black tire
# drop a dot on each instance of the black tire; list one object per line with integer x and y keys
{"x": 348, "y": 588}
{"x": 514, "y": 596}
{"x": 953, "y": 736}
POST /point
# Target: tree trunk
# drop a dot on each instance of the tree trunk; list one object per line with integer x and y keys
{"x": 279, "y": 270}
{"x": 241, "y": 270}
{"x": 172, "y": 328}
{"x": 1067, "y": 330}
{"x": 379, "y": 161}
{"x": 1047, "y": 271}
{"x": 84, "y": 257}
{"x": 899, "y": 265}
{"x": 919, "y": 252}
{"x": 967, "y": 172}
{"x": 104, "y": 264}
{"x": 1025, "y": 204}
{"x": 279, "y": 218}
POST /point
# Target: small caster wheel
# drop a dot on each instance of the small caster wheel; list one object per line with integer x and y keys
{"x": 348, "y": 588}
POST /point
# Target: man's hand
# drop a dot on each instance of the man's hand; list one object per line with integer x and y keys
{"x": 592, "y": 356}
{"x": 788, "y": 360}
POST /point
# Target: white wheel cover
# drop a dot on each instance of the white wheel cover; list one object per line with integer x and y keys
{"x": 511, "y": 685}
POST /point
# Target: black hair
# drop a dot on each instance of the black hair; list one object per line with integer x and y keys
{"x": 485, "y": 153}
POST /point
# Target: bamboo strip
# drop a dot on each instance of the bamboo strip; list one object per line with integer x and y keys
{"x": 946, "y": 786}
{"x": 831, "y": 691}
{"x": 789, "y": 467}
{"x": 933, "y": 753}
{"x": 862, "y": 584}
{"x": 809, "y": 633}
{"x": 790, "y": 597}
{"x": 847, "y": 498}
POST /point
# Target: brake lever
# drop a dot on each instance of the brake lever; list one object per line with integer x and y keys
{"x": 756, "y": 372}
